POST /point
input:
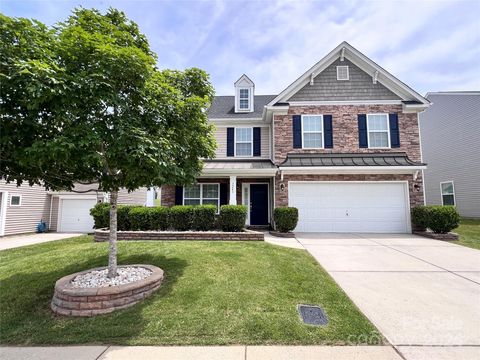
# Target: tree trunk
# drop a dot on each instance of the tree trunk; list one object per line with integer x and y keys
{"x": 112, "y": 253}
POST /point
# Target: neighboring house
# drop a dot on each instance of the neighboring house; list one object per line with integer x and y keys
{"x": 341, "y": 144}
{"x": 23, "y": 207}
{"x": 450, "y": 133}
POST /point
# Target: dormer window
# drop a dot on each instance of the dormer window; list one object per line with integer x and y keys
{"x": 244, "y": 99}
{"x": 244, "y": 89}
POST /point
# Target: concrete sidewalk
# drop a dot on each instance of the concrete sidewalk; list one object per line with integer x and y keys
{"x": 14, "y": 241}
{"x": 200, "y": 353}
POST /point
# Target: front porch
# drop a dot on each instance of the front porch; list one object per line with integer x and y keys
{"x": 249, "y": 183}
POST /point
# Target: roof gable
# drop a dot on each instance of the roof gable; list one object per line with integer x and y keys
{"x": 359, "y": 86}
{"x": 244, "y": 80}
{"x": 348, "y": 52}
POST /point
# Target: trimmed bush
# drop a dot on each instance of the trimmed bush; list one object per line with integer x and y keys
{"x": 140, "y": 218}
{"x": 442, "y": 219}
{"x": 123, "y": 217}
{"x": 159, "y": 218}
{"x": 180, "y": 217}
{"x": 420, "y": 218}
{"x": 203, "y": 217}
{"x": 285, "y": 218}
{"x": 232, "y": 217}
{"x": 101, "y": 215}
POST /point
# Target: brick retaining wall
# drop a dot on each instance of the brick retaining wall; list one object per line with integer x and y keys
{"x": 70, "y": 301}
{"x": 102, "y": 235}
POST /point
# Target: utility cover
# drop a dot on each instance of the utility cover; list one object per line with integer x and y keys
{"x": 312, "y": 315}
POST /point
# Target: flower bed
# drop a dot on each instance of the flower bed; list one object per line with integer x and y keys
{"x": 450, "y": 236}
{"x": 69, "y": 300}
{"x": 102, "y": 235}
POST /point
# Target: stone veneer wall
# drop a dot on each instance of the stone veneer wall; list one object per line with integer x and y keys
{"x": 345, "y": 130}
{"x": 416, "y": 197}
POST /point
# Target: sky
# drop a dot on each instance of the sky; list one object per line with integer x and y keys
{"x": 430, "y": 45}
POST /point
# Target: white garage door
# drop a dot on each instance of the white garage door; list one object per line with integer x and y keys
{"x": 75, "y": 215}
{"x": 350, "y": 207}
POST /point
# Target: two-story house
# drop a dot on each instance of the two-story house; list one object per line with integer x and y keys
{"x": 341, "y": 144}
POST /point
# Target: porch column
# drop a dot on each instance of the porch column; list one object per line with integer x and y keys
{"x": 233, "y": 190}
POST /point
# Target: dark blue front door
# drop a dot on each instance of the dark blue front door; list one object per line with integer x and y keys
{"x": 259, "y": 204}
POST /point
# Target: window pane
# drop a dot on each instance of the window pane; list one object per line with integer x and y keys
{"x": 210, "y": 191}
{"x": 191, "y": 201}
{"x": 243, "y": 93}
{"x": 243, "y": 104}
{"x": 447, "y": 188}
{"x": 243, "y": 134}
{"x": 312, "y": 140}
{"x": 211, "y": 202}
{"x": 244, "y": 149}
{"x": 15, "y": 200}
{"x": 378, "y": 139}
{"x": 312, "y": 123}
{"x": 448, "y": 200}
{"x": 377, "y": 122}
{"x": 192, "y": 191}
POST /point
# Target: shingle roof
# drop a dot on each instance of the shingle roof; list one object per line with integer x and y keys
{"x": 238, "y": 164}
{"x": 383, "y": 159}
{"x": 223, "y": 107}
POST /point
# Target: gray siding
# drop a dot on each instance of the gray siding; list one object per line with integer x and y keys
{"x": 138, "y": 197}
{"x": 326, "y": 87}
{"x": 35, "y": 206}
{"x": 450, "y": 133}
{"x": 55, "y": 209}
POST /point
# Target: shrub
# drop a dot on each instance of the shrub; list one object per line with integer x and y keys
{"x": 232, "y": 217}
{"x": 442, "y": 219}
{"x": 420, "y": 218}
{"x": 123, "y": 217}
{"x": 159, "y": 218}
{"x": 180, "y": 217}
{"x": 101, "y": 215}
{"x": 285, "y": 218}
{"x": 203, "y": 217}
{"x": 438, "y": 218}
{"x": 140, "y": 218}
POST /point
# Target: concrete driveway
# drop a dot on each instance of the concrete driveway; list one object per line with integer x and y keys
{"x": 422, "y": 294}
{"x": 9, "y": 242}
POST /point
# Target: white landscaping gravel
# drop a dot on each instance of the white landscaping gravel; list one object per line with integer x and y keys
{"x": 98, "y": 278}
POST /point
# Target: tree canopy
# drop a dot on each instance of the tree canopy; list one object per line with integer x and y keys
{"x": 83, "y": 101}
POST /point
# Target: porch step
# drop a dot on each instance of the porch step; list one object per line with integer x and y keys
{"x": 258, "y": 227}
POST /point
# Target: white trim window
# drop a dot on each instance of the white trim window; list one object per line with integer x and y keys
{"x": 15, "y": 200}
{"x": 378, "y": 129}
{"x": 243, "y": 141}
{"x": 312, "y": 132}
{"x": 244, "y": 99}
{"x": 448, "y": 193}
{"x": 202, "y": 194}
{"x": 343, "y": 73}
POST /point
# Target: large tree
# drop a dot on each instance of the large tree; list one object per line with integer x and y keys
{"x": 83, "y": 102}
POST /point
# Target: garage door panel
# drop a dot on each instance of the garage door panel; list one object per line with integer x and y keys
{"x": 350, "y": 207}
{"x": 75, "y": 215}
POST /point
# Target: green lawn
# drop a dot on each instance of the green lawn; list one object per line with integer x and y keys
{"x": 469, "y": 231}
{"x": 214, "y": 293}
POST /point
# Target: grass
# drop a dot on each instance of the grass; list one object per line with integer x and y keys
{"x": 214, "y": 293}
{"x": 469, "y": 231}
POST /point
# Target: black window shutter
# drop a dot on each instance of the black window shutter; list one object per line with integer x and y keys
{"x": 256, "y": 141}
{"x": 297, "y": 131}
{"x": 178, "y": 195}
{"x": 223, "y": 194}
{"x": 394, "y": 131}
{"x": 328, "y": 131}
{"x": 362, "y": 131}
{"x": 230, "y": 141}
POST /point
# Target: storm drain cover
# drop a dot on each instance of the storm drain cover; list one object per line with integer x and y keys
{"x": 312, "y": 315}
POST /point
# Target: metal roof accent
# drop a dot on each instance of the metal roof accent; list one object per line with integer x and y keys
{"x": 349, "y": 159}
{"x": 238, "y": 164}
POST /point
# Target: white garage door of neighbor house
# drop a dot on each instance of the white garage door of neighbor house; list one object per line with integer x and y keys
{"x": 350, "y": 207}
{"x": 75, "y": 215}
